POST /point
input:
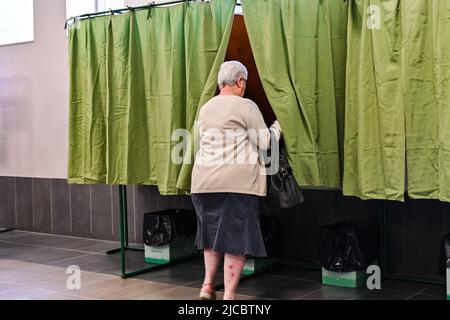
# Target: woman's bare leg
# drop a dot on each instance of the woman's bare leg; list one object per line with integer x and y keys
{"x": 212, "y": 260}
{"x": 233, "y": 265}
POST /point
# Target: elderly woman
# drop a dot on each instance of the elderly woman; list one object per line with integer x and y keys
{"x": 227, "y": 179}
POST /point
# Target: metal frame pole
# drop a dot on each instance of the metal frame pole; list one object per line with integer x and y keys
{"x": 125, "y": 213}
{"x": 124, "y": 244}
{"x": 123, "y": 217}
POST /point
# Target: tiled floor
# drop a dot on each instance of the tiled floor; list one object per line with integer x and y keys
{"x": 33, "y": 266}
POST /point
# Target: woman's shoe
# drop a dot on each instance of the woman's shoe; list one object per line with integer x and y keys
{"x": 206, "y": 295}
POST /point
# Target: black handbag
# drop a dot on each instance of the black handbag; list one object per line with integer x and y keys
{"x": 282, "y": 188}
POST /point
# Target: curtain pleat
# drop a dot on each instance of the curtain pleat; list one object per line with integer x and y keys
{"x": 135, "y": 78}
{"x": 397, "y": 100}
{"x": 299, "y": 49}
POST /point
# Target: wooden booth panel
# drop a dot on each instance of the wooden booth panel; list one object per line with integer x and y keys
{"x": 239, "y": 49}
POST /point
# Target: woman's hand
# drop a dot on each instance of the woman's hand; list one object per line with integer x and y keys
{"x": 276, "y": 125}
{"x": 276, "y": 129}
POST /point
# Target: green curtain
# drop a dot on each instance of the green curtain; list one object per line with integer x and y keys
{"x": 397, "y": 100}
{"x": 374, "y": 123}
{"x": 134, "y": 79}
{"x": 426, "y": 45}
{"x": 300, "y": 52}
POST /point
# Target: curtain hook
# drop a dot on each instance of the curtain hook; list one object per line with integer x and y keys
{"x": 66, "y": 23}
{"x": 111, "y": 11}
{"x": 150, "y": 5}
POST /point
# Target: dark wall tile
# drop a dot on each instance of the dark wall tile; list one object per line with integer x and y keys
{"x": 60, "y": 207}
{"x": 42, "y": 205}
{"x": 445, "y": 207}
{"x": 278, "y": 228}
{"x": 323, "y": 207}
{"x": 168, "y": 202}
{"x": 147, "y": 199}
{"x": 395, "y": 236}
{"x": 315, "y": 212}
{"x": 363, "y": 211}
{"x": 101, "y": 212}
{"x": 344, "y": 208}
{"x": 289, "y": 224}
{"x": 7, "y": 202}
{"x": 80, "y": 210}
{"x": 24, "y": 203}
{"x": 423, "y": 232}
{"x": 186, "y": 202}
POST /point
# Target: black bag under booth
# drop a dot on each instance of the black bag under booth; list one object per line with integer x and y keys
{"x": 444, "y": 260}
{"x": 349, "y": 246}
{"x": 162, "y": 227}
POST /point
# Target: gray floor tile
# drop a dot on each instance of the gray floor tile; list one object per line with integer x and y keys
{"x": 261, "y": 285}
{"x": 141, "y": 291}
{"x": 295, "y": 289}
{"x": 57, "y": 255}
{"x": 60, "y": 296}
{"x": 334, "y": 293}
{"x": 176, "y": 293}
{"x": 100, "y": 247}
{"x": 33, "y": 265}
{"x": 23, "y": 252}
{"x": 25, "y": 293}
{"x": 435, "y": 290}
{"x": 289, "y": 272}
{"x": 196, "y": 262}
{"x": 13, "y": 235}
{"x": 403, "y": 286}
{"x": 426, "y": 297}
{"x": 311, "y": 275}
{"x": 177, "y": 275}
{"x": 383, "y": 295}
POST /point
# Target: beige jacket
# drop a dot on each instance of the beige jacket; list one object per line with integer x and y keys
{"x": 231, "y": 129}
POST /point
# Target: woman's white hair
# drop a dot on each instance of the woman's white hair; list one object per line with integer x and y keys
{"x": 230, "y": 73}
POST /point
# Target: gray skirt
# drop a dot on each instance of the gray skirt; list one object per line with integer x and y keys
{"x": 229, "y": 223}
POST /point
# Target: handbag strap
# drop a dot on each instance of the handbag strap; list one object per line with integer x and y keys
{"x": 275, "y": 187}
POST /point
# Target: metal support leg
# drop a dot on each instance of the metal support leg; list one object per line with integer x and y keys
{"x": 125, "y": 215}
{"x": 124, "y": 244}
{"x": 123, "y": 219}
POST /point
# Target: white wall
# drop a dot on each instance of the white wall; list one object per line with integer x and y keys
{"x": 34, "y": 90}
{"x": 34, "y": 98}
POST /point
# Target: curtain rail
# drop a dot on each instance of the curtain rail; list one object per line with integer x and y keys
{"x": 128, "y": 8}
